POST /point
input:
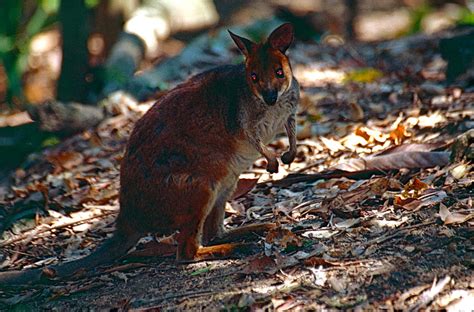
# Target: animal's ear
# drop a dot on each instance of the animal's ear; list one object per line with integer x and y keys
{"x": 282, "y": 37}
{"x": 242, "y": 43}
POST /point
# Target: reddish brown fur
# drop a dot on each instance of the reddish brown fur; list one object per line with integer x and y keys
{"x": 265, "y": 65}
{"x": 184, "y": 156}
{"x": 264, "y": 60}
{"x": 175, "y": 156}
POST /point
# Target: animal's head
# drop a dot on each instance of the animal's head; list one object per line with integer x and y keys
{"x": 267, "y": 67}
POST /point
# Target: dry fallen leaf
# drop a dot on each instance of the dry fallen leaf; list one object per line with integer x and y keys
{"x": 399, "y": 134}
{"x": 14, "y": 120}
{"x": 333, "y": 145}
{"x": 414, "y": 188}
{"x": 260, "y": 264}
{"x": 449, "y": 217}
{"x": 65, "y": 160}
{"x": 243, "y": 187}
{"x": 347, "y": 223}
{"x": 356, "y": 112}
{"x": 283, "y": 238}
{"x": 427, "y": 198}
{"x": 408, "y": 160}
{"x": 460, "y": 171}
{"x": 371, "y": 135}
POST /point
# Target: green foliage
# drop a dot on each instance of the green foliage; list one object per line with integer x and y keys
{"x": 417, "y": 16}
{"x": 91, "y": 3}
{"x": 50, "y": 6}
{"x": 363, "y": 75}
{"x": 202, "y": 270}
{"x": 21, "y": 21}
{"x": 50, "y": 141}
{"x": 467, "y": 17}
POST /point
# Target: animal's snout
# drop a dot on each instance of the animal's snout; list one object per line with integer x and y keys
{"x": 270, "y": 96}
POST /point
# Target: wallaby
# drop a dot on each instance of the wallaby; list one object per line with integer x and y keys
{"x": 184, "y": 156}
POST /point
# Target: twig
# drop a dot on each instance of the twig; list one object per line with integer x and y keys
{"x": 306, "y": 203}
{"x": 187, "y": 294}
{"x": 428, "y": 296}
{"x": 386, "y": 237}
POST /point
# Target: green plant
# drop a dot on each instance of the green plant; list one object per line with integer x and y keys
{"x": 417, "y": 15}
{"x": 467, "y": 17}
{"x": 21, "y": 20}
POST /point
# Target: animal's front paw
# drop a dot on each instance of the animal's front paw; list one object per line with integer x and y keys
{"x": 272, "y": 165}
{"x": 288, "y": 157}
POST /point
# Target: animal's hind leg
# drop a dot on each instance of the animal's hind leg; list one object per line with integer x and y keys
{"x": 214, "y": 226}
{"x": 214, "y": 231}
{"x": 189, "y": 241}
{"x": 190, "y": 234}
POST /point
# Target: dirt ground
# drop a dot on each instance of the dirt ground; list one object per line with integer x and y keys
{"x": 395, "y": 239}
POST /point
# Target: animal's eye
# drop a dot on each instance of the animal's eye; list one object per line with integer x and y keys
{"x": 279, "y": 72}
{"x": 254, "y": 77}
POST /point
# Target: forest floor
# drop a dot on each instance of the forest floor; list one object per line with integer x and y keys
{"x": 398, "y": 238}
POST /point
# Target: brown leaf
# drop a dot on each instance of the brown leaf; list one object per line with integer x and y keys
{"x": 356, "y": 112}
{"x": 371, "y": 135}
{"x": 409, "y": 160}
{"x": 65, "y": 160}
{"x": 366, "y": 167}
{"x": 407, "y": 203}
{"x": 316, "y": 261}
{"x": 427, "y": 198}
{"x": 356, "y": 195}
{"x": 260, "y": 264}
{"x": 282, "y": 237}
{"x": 102, "y": 194}
{"x": 414, "y": 188}
{"x": 235, "y": 208}
{"x": 381, "y": 185}
{"x": 14, "y": 120}
{"x": 333, "y": 145}
{"x": 449, "y": 217}
{"x": 360, "y": 131}
{"x": 413, "y": 147}
{"x": 399, "y": 134}
{"x": 410, "y": 197}
{"x": 243, "y": 187}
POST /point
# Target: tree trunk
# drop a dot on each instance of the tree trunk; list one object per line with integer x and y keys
{"x": 73, "y": 15}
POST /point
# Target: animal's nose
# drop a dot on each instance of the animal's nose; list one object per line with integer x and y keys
{"x": 270, "y": 96}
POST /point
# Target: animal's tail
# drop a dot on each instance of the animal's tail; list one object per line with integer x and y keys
{"x": 112, "y": 249}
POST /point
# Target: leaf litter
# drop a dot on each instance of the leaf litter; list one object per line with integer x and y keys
{"x": 375, "y": 212}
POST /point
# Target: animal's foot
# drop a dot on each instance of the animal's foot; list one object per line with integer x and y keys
{"x": 288, "y": 157}
{"x": 272, "y": 165}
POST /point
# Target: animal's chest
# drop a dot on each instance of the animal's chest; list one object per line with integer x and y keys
{"x": 272, "y": 124}
{"x": 275, "y": 118}
{"x": 265, "y": 127}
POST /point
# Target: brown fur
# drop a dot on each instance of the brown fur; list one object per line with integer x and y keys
{"x": 184, "y": 156}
